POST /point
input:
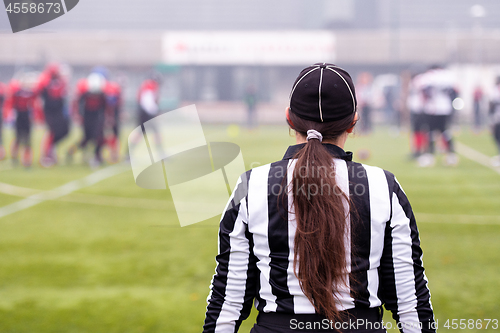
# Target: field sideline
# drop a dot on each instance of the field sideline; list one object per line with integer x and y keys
{"x": 111, "y": 257}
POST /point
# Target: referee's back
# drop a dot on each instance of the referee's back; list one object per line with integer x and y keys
{"x": 256, "y": 247}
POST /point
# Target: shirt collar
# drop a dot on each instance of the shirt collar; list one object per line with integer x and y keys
{"x": 334, "y": 150}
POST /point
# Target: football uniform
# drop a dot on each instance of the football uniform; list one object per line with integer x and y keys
{"x": 91, "y": 106}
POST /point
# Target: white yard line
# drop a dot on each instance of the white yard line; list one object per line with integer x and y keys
{"x": 92, "y": 199}
{"x": 64, "y": 190}
{"x": 17, "y": 191}
{"x": 475, "y": 156}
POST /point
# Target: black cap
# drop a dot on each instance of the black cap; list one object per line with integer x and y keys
{"x": 323, "y": 92}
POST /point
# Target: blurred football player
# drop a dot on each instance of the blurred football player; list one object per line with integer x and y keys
{"x": 21, "y": 102}
{"x": 250, "y": 100}
{"x": 494, "y": 113}
{"x": 148, "y": 107}
{"x": 113, "y": 93}
{"x": 438, "y": 89}
{"x": 478, "y": 97}
{"x": 364, "y": 96}
{"x": 148, "y": 99}
{"x": 52, "y": 89}
{"x": 89, "y": 109}
{"x": 2, "y": 100}
{"x": 415, "y": 104}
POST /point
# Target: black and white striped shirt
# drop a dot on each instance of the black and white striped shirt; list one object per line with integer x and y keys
{"x": 256, "y": 248}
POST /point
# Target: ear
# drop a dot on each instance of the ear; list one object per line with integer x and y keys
{"x": 351, "y": 129}
{"x": 287, "y": 112}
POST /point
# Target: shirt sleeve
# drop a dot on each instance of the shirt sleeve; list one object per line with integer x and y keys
{"x": 403, "y": 282}
{"x": 233, "y": 286}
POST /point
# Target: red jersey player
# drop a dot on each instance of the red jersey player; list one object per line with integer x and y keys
{"x": 90, "y": 107}
{"x": 114, "y": 104}
{"x": 52, "y": 88}
{"x": 148, "y": 107}
{"x": 21, "y": 101}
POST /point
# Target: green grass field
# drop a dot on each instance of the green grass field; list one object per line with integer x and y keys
{"x": 112, "y": 257}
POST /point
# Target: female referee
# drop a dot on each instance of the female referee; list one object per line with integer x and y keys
{"x": 318, "y": 241}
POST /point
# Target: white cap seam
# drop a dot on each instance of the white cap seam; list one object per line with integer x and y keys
{"x": 293, "y": 90}
{"x": 352, "y": 95}
{"x": 320, "y": 83}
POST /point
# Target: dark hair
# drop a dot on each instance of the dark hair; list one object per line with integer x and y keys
{"x": 320, "y": 253}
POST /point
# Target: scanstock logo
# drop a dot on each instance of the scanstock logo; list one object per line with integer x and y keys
{"x": 26, "y": 14}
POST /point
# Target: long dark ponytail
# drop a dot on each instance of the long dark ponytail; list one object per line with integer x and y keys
{"x": 320, "y": 212}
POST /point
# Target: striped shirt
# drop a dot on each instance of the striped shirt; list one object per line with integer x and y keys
{"x": 256, "y": 248}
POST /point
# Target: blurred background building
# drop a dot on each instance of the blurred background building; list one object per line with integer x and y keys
{"x": 213, "y": 50}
